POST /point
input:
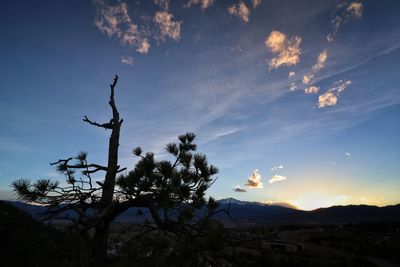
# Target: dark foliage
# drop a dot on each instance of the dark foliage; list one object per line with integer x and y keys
{"x": 27, "y": 242}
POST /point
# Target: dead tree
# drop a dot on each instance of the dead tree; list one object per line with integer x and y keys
{"x": 171, "y": 191}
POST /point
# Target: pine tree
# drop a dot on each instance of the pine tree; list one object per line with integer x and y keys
{"x": 172, "y": 191}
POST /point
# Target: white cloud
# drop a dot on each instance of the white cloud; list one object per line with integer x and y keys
{"x": 254, "y": 181}
{"x": 204, "y": 4}
{"x": 240, "y": 10}
{"x": 344, "y": 13}
{"x": 287, "y": 50}
{"x": 329, "y": 98}
{"x": 167, "y": 26}
{"x": 277, "y": 178}
{"x": 239, "y": 189}
{"x": 292, "y": 86}
{"x": 347, "y": 154}
{"x": 277, "y": 167}
{"x": 127, "y": 60}
{"x": 319, "y": 65}
{"x": 311, "y": 90}
{"x": 291, "y": 74}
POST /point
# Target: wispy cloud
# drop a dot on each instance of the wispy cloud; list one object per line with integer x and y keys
{"x": 167, "y": 26}
{"x": 164, "y": 4}
{"x": 256, "y": 3}
{"x": 13, "y": 146}
{"x": 322, "y": 57}
{"x": 239, "y": 189}
{"x": 254, "y": 181}
{"x": 240, "y": 10}
{"x": 277, "y": 178}
{"x": 311, "y": 90}
{"x": 287, "y": 50}
{"x": 127, "y": 60}
{"x": 329, "y": 98}
{"x": 204, "y": 4}
{"x": 277, "y": 167}
{"x": 344, "y": 12}
{"x": 347, "y": 154}
{"x": 291, "y": 74}
{"x": 115, "y": 21}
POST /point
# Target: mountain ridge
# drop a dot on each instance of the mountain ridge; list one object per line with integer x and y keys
{"x": 258, "y": 213}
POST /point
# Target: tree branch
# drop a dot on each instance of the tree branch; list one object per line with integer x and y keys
{"x": 108, "y": 125}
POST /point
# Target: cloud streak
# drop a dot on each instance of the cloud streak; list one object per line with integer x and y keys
{"x": 319, "y": 65}
{"x": 277, "y": 167}
{"x": 344, "y": 13}
{"x": 127, "y": 60}
{"x": 287, "y": 50}
{"x": 277, "y": 178}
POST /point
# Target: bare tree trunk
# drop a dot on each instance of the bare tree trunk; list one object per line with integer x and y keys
{"x": 102, "y": 229}
{"x": 112, "y": 166}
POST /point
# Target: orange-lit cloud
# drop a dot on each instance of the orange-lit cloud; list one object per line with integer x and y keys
{"x": 240, "y": 10}
{"x": 143, "y": 47}
{"x": 115, "y": 21}
{"x": 287, "y": 50}
{"x": 344, "y": 13}
{"x": 256, "y": 3}
{"x": 276, "y": 178}
{"x": 311, "y": 90}
{"x": 167, "y": 26}
{"x": 254, "y": 181}
{"x": 204, "y": 4}
{"x": 329, "y": 98}
{"x": 319, "y": 65}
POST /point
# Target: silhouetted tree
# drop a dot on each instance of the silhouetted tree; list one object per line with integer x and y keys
{"x": 172, "y": 191}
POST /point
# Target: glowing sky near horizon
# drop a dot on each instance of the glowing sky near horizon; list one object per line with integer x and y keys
{"x": 294, "y": 101}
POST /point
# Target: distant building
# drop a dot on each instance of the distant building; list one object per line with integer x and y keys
{"x": 282, "y": 247}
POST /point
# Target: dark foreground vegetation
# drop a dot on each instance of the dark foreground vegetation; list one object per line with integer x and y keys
{"x": 27, "y": 242}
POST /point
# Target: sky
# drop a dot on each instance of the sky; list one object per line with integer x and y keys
{"x": 293, "y": 101}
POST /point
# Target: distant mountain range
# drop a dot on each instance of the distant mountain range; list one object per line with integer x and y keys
{"x": 242, "y": 213}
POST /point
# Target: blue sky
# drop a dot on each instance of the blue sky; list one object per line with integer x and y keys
{"x": 307, "y": 87}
